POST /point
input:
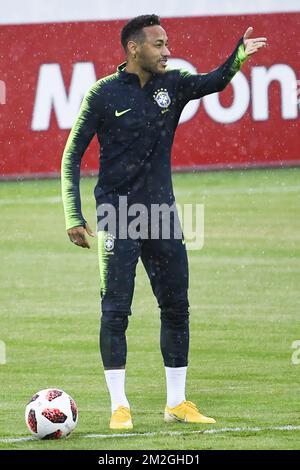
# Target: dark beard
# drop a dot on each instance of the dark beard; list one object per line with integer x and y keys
{"x": 152, "y": 72}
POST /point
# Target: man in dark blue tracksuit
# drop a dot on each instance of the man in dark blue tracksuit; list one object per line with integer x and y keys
{"x": 135, "y": 113}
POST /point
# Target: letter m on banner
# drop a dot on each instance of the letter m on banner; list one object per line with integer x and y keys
{"x": 2, "y": 92}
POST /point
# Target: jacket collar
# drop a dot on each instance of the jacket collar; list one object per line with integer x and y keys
{"x": 126, "y": 76}
{"x": 131, "y": 77}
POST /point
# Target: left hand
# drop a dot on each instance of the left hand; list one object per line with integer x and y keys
{"x": 253, "y": 45}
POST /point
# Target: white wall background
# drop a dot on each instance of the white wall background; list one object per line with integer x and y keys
{"x": 45, "y": 11}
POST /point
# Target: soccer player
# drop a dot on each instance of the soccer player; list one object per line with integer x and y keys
{"x": 134, "y": 113}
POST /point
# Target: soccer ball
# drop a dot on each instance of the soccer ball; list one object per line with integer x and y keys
{"x": 51, "y": 414}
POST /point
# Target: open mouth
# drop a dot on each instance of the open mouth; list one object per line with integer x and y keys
{"x": 163, "y": 62}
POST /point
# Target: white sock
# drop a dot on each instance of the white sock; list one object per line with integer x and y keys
{"x": 175, "y": 377}
{"x": 115, "y": 380}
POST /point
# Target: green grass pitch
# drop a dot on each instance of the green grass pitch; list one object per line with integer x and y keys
{"x": 244, "y": 295}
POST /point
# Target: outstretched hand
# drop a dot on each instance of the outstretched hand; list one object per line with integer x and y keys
{"x": 254, "y": 44}
{"x": 77, "y": 235}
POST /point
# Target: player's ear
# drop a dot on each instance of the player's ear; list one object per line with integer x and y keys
{"x": 132, "y": 49}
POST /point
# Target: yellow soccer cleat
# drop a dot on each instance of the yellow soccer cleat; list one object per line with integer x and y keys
{"x": 186, "y": 412}
{"x": 121, "y": 419}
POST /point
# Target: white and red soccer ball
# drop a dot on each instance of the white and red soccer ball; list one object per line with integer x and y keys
{"x": 51, "y": 414}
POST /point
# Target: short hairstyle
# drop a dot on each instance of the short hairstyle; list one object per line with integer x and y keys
{"x": 133, "y": 30}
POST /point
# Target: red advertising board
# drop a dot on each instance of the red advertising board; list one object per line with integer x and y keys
{"x": 45, "y": 69}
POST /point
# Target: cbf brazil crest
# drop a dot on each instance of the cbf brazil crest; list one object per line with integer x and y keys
{"x": 162, "y": 98}
{"x": 109, "y": 242}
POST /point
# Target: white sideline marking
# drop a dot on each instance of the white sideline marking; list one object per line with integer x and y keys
{"x": 205, "y": 431}
{"x": 249, "y": 191}
{"x": 212, "y": 191}
{"x": 31, "y": 200}
{"x": 168, "y": 433}
{"x": 17, "y": 439}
